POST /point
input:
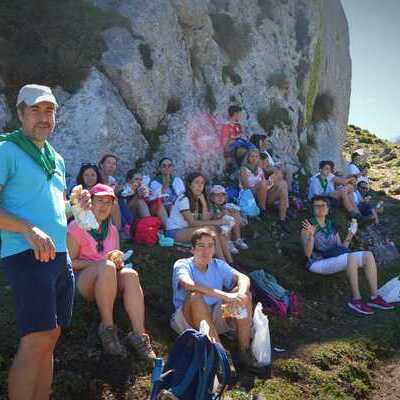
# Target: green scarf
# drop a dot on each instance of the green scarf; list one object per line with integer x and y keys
{"x": 46, "y": 159}
{"x": 327, "y": 230}
{"x": 159, "y": 179}
{"x": 100, "y": 236}
{"x": 323, "y": 182}
{"x": 253, "y": 169}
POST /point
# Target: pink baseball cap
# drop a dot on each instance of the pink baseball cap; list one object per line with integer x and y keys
{"x": 102, "y": 190}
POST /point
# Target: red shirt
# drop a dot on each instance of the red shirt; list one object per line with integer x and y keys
{"x": 231, "y": 131}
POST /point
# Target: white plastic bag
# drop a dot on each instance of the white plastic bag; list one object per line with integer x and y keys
{"x": 229, "y": 223}
{"x": 261, "y": 345}
{"x": 390, "y": 291}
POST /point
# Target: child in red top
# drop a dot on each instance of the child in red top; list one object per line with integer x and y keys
{"x": 232, "y": 130}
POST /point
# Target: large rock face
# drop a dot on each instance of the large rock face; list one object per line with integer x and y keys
{"x": 179, "y": 64}
{"x": 95, "y": 121}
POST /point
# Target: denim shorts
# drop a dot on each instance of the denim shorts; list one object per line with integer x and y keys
{"x": 43, "y": 291}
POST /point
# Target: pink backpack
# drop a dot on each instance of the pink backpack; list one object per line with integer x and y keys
{"x": 146, "y": 231}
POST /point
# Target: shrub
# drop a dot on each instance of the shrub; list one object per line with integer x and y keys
{"x": 228, "y": 72}
{"x": 323, "y": 107}
{"x": 279, "y": 80}
{"x": 174, "y": 105}
{"x": 314, "y": 81}
{"x": 303, "y": 38}
{"x": 51, "y": 42}
{"x": 275, "y": 116}
{"x": 232, "y": 37}
{"x": 266, "y": 11}
{"x": 145, "y": 52}
{"x": 210, "y": 98}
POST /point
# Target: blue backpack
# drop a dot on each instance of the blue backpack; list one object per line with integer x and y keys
{"x": 191, "y": 367}
{"x": 247, "y": 203}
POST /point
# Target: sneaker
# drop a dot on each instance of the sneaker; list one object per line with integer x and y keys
{"x": 142, "y": 346}
{"x": 232, "y": 248}
{"x": 283, "y": 225}
{"x": 360, "y": 307}
{"x": 110, "y": 342}
{"x": 379, "y": 303}
{"x": 241, "y": 244}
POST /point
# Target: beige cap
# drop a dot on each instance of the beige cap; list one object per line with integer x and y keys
{"x": 34, "y": 94}
{"x": 217, "y": 189}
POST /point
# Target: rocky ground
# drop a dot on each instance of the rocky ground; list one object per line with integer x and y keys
{"x": 330, "y": 353}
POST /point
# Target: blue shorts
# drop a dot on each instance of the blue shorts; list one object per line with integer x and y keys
{"x": 43, "y": 291}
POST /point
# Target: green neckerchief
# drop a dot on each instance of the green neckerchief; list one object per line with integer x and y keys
{"x": 100, "y": 236}
{"x": 323, "y": 182}
{"x": 45, "y": 159}
{"x": 216, "y": 209}
{"x": 159, "y": 179}
{"x": 327, "y": 230}
{"x": 253, "y": 169}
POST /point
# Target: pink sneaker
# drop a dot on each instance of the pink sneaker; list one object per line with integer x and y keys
{"x": 360, "y": 307}
{"x": 379, "y": 303}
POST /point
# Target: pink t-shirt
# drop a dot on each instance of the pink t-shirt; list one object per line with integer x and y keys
{"x": 87, "y": 244}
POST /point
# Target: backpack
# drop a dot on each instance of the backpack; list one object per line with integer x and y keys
{"x": 192, "y": 365}
{"x": 247, "y": 203}
{"x": 146, "y": 231}
{"x": 273, "y": 296}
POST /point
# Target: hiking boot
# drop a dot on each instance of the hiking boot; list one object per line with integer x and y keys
{"x": 247, "y": 361}
{"x": 110, "y": 342}
{"x": 241, "y": 244}
{"x": 142, "y": 346}
{"x": 232, "y": 248}
{"x": 379, "y": 303}
{"x": 360, "y": 307}
{"x": 283, "y": 225}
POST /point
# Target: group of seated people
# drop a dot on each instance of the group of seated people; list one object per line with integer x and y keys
{"x": 190, "y": 213}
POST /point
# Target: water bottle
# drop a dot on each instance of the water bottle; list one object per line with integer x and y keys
{"x": 157, "y": 370}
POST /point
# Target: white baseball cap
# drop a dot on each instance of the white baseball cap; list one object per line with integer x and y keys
{"x": 216, "y": 189}
{"x": 33, "y": 94}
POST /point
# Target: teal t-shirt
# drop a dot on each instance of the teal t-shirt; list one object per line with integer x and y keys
{"x": 29, "y": 195}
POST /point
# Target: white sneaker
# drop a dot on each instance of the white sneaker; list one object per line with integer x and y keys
{"x": 241, "y": 244}
{"x": 232, "y": 248}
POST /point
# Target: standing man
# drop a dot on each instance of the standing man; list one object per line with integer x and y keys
{"x": 33, "y": 228}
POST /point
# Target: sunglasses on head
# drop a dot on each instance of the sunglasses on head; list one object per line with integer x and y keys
{"x": 88, "y": 165}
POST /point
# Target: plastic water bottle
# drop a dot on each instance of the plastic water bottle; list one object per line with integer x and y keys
{"x": 157, "y": 370}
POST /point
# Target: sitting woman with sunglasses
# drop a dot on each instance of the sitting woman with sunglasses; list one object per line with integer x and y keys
{"x": 100, "y": 279}
{"x": 327, "y": 254}
{"x": 88, "y": 176}
{"x": 166, "y": 185}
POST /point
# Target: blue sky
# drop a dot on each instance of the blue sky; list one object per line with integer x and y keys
{"x": 375, "y": 51}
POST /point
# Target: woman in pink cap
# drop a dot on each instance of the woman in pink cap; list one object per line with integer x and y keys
{"x": 100, "y": 279}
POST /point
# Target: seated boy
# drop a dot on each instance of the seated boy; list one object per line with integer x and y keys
{"x": 233, "y": 140}
{"x": 203, "y": 286}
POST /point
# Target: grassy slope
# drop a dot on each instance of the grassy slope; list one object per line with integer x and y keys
{"x": 331, "y": 354}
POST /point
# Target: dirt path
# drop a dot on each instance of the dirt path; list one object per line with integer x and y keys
{"x": 388, "y": 381}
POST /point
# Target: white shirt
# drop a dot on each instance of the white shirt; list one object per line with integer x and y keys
{"x": 316, "y": 188}
{"x": 175, "y": 219}
{"x": 352, "y": 169}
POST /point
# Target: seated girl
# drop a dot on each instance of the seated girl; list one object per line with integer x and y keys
{"x": 140, "y": 199}
{"x": 190, "y": 212}
{"x": 90, "y": 175}
{"x": 219, "y": 208}
{"x": 362, "y": 199}
{"x": 167, "y": 185}
{"x": 100, "y": 279}
{"x": 327, "y": 254}
{"x": 252, "y": 177}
